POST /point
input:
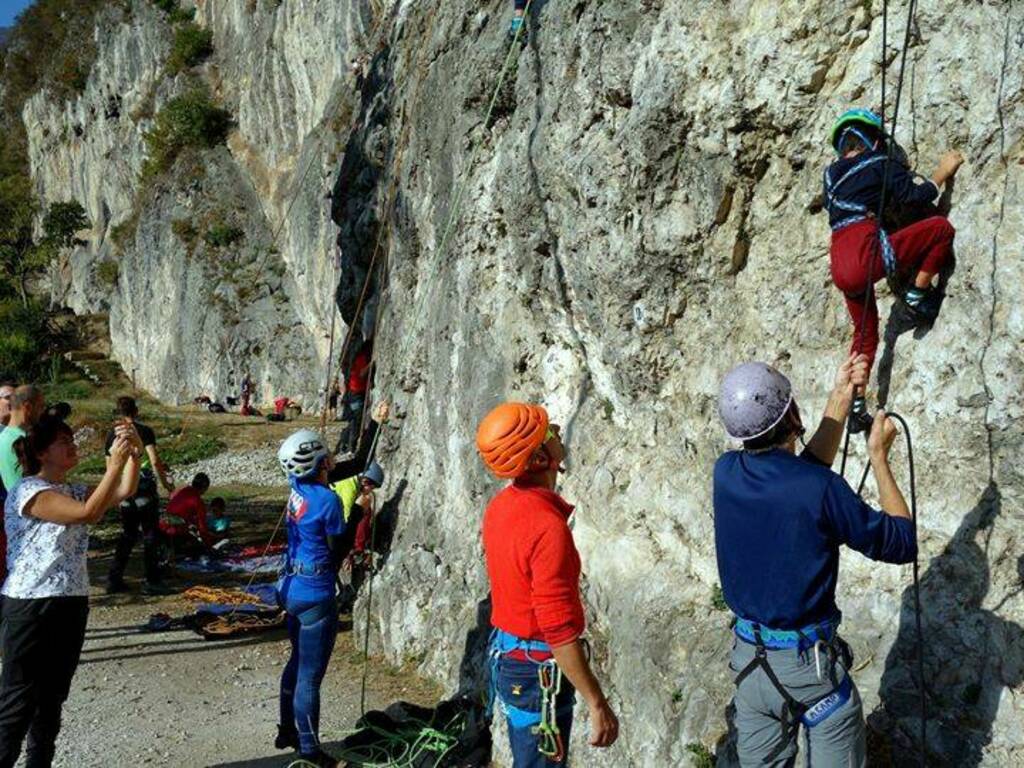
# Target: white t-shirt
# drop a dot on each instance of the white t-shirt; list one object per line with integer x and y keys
{"x": 44, "y": 559}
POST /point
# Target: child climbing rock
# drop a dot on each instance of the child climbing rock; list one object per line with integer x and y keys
{"x": 519, "y": 9}
{"x": 862, "y": 250}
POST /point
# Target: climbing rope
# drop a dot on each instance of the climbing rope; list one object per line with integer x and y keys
{"x": 869, "y": 296}
{"x": 219, "y": 596}
{"x": 411, "y": 746}
{"x": 384, "y": 228}
{"x": 369, "y": 590}
{"x": 461, "y": 189}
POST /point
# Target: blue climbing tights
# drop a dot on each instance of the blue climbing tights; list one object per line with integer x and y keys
{"x": 312, "y": 629}
{"x": 520, "y": 5}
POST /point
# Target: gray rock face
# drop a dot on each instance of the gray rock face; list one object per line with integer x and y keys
{"x": 634, "y": 219}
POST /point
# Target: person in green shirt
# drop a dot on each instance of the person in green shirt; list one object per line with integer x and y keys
{"x": 27, "y": 406}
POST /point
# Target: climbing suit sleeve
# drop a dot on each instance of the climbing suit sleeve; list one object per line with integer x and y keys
{"x": 334, "y": 520}
{"x": 857, "y": 524}
{"x": 554, "y": 586}
{"x": 902, "y": 187}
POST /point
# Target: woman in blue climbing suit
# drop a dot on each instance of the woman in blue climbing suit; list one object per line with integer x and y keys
{"x": 318, "y": 543}
{"x": 859, "y": 248}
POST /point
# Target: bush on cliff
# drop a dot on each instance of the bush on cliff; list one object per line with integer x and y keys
{"x": 192, "y": 45}
{"x": 190, "y": 120}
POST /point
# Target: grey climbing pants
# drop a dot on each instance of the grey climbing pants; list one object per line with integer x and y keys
{"x": 838, "y": 741}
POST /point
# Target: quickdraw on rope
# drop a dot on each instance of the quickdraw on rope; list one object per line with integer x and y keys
{"x": 550, "y": 744}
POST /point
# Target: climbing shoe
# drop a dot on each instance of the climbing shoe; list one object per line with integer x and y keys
{"x": 287, "y": 738}
{"x": 923, "y": 303}
{"x": 116, "y": 586}
{"x": 860, "y": 420}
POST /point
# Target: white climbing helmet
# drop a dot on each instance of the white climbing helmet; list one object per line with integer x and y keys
{"x": 301, "y": 453}
{"x": 753, "y": 399}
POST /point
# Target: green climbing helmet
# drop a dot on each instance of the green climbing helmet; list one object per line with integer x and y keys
{"x": 854, "y": 118}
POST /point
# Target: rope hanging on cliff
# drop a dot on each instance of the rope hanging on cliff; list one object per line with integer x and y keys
{"x": 868, "y": 294}
{"x": 440, "y": 250}
{"x": 391, "y": 197}
{"x": 461, "y": 189}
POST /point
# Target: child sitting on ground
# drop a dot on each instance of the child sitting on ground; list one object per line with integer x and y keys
{"x": 860, "y": 248}
{"x": 218, "y": 520}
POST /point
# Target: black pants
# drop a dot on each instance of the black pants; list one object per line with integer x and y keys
{"x": 139, "y": 513}
{"x": 42, "y": 640}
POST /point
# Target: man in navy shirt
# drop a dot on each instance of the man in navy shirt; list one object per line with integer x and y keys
{"x": 780, "y": 519}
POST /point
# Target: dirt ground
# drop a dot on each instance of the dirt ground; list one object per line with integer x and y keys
{"x": 175, "y": 699}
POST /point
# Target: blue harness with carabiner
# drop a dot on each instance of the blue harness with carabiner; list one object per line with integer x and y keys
{"x": 857, "y": 211}
{"x": 545, "y": 722}
{"x": 814, "y": 636}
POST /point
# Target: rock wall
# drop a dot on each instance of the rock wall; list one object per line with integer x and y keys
{"x": 637, "y": 215}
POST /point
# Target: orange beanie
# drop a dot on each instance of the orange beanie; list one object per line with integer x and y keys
{"x": 508, "y": 436}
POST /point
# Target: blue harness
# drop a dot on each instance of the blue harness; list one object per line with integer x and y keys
{"x": 795, "y": 712}
{"x": 857, "y": 211}
{"x": 781, "y": 639}
{"x": 501, "y": 643}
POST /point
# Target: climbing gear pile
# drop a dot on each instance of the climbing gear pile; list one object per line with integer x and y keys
{"x": 795, "y": 712}
{"x": 455, "y": 733}
{"x": 753, "y": 399}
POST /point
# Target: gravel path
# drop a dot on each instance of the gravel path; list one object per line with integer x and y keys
{"x": 256, "y": 466}
{"x": 175, "y": 699}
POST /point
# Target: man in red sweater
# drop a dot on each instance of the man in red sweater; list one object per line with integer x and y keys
{"x": 537, "y": 613}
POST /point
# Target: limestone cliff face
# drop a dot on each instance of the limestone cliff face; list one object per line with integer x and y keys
{"x": 637, "y": 217}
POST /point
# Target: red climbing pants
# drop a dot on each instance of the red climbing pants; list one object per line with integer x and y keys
{"x": 925, "y": 245}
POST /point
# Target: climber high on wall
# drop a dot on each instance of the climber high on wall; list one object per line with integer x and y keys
{"x": 780, "y": 519}
{"x": 857, "y": 183}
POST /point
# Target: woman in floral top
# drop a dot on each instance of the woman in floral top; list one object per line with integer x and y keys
{"x": 46, "y": 591}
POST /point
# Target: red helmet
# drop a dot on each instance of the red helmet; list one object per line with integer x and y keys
{"x": 508, "y": 436}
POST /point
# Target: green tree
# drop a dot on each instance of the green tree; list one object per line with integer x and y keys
{"x": 21, "y": 256}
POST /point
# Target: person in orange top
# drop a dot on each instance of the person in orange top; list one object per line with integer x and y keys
{"x": 537, "y": 612}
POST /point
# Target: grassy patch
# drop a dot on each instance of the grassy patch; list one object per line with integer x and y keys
{"x": 702, "y": 757}
{"x": 192, "y": 45}
{"x": 718, "y": 599}
{"x": 190, "y": 449}
{"x": 222, "y": 235}
{"x": 107, "y": 273}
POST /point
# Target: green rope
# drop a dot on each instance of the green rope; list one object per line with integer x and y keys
{"x": 461, "y": 189}
{"x": 407, "y": 747}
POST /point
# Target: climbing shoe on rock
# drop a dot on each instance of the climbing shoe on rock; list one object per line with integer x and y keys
{"x": 116, "y": 586}
{"x": 860, "y": 420}
{"x": 287, "y": 738}
{"x": 924, "y": 303}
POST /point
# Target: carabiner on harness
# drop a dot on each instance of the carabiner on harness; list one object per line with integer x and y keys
{"x": 551, "y": 744}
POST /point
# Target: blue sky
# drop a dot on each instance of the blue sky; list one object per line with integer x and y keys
{"x": 11, "y": 8}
